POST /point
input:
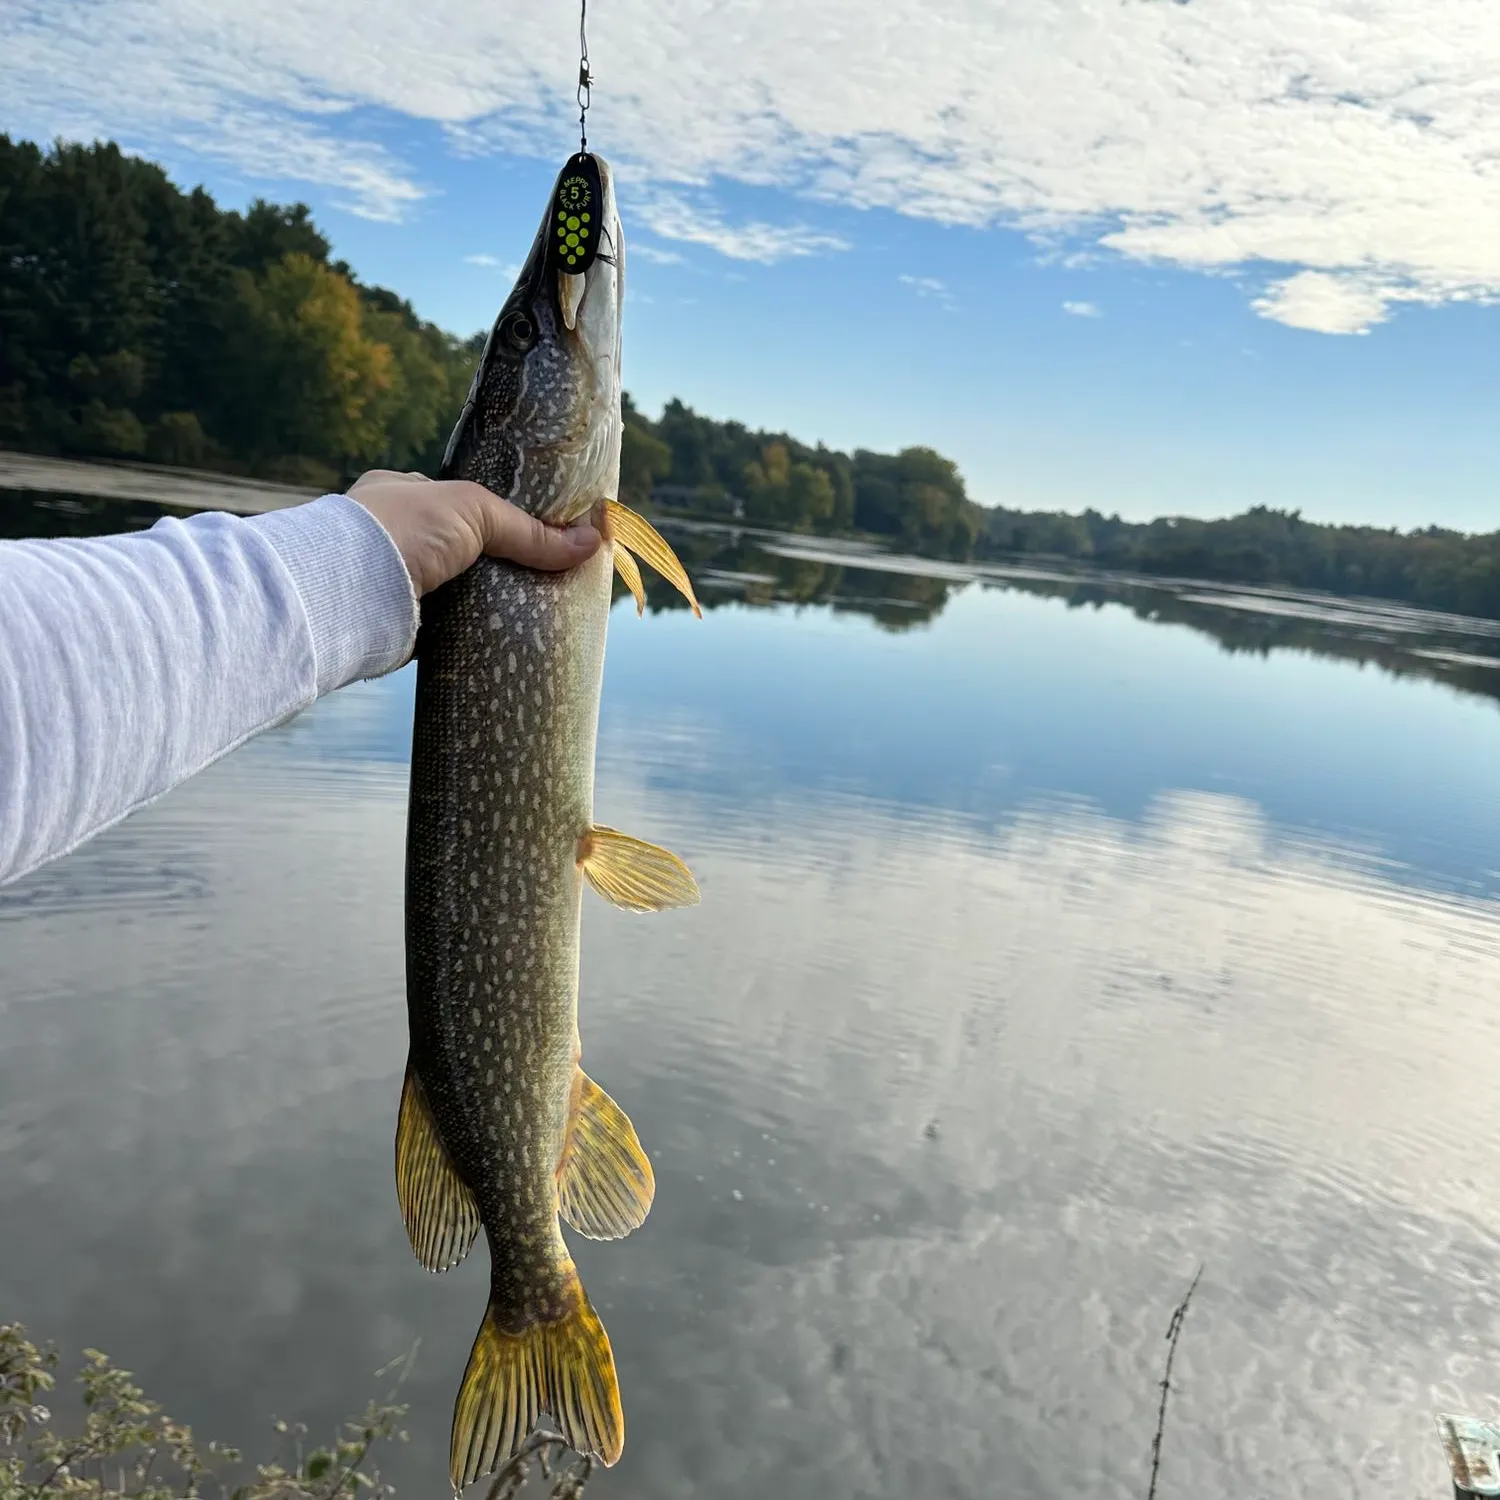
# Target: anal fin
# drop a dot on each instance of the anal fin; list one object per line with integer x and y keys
{"x": 634, "y": 874}
{"x": 605, "y": 1184}
{"x": 642, "y": 538}
{"x": 441, "y": 1215}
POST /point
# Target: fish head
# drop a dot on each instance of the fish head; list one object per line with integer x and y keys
{"x": 541, "y": 426}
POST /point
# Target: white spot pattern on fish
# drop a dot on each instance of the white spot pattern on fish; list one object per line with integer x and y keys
{"x": 512, "y": 884}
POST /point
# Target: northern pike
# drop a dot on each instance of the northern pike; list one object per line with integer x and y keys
{"x": 499, "y": 1127}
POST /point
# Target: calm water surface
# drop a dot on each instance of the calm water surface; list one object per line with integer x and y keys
{"x": 1066, "y": 938}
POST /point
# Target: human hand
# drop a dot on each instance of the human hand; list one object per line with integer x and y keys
{"x": 440, "y": 526}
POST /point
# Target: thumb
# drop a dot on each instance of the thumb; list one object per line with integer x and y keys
{"x": 510, "y": 532}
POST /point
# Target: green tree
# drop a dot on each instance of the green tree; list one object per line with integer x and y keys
{"x": 268, "y": 232}
{"x": 644, "y": 457}
{"x": 135, "y": 318}
{"x": 319, "y": 382}
{"x": 810, "y": 496}
{"x": 418, "y": 396}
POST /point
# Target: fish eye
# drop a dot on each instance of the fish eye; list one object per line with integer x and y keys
{"x": 519, "y": 331}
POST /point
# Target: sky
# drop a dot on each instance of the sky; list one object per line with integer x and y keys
{"x": 1153, "y": 256}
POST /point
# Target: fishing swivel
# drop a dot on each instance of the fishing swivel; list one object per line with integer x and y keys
{"x": 585, "y": 76}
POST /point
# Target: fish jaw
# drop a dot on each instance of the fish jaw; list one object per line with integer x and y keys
{"x": 542, "y": 423}
{"x": 600, "y": 322}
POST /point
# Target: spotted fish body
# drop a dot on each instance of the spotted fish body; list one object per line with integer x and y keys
{"x": 502, "y": 791}
{"x": 498, "y": 1125}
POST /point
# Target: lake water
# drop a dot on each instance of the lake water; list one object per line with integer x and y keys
{"x": 1056, "y": 936}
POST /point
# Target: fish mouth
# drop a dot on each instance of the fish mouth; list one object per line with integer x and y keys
{"x": 568, "y": 293}
{"x": 552, "y": 361}
{"x": 588, "y": 308}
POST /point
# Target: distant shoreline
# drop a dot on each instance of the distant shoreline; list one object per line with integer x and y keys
{"x": 197, "y": 489}
{"x": 181, "y": 489}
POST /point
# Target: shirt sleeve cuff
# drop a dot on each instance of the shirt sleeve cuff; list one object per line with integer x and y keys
{"x": 361, "y": 606}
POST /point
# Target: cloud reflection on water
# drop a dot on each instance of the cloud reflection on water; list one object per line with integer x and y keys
{"x": 1019, "y": 986}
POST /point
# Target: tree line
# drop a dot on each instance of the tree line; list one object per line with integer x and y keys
{"x": 139, "y": 321}
{"x": 1431, "y": 567}
{"x": 914, "y": 499}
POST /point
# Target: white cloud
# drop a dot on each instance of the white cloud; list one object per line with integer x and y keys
{"x": 930, "y": 287}
{"x": 507, "y": 270}
{"x": 224, "y": 95}
{"x": 1082, "y": 309}
{"x": 1353, "y": 139}
{"x": 656, "y": 256}
{"x": 673, "y": 216}
{"x": 1326, "y": 304}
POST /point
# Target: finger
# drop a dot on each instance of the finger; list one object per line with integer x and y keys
{"x": 369, "y": 477}
{"x": 511, "y": 533}
{"x": 384, "y": 476}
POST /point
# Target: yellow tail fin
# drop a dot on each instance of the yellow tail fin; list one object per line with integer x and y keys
{"x": 563, "y": 1366}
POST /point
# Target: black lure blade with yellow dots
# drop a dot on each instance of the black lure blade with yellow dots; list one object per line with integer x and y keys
{"x": 576, "y": 220}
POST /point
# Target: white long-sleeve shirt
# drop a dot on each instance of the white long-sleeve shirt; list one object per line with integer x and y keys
{"x": 127, "y": 663}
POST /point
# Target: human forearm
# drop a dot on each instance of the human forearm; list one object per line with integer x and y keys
{"x": 128, "y": 663}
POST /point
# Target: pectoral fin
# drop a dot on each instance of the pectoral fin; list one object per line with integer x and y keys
{"x": 440, "y": 1213}
{"x": 634, "y": 874}
{"x": 604, "y": 1182}
{"x": 630, "y": 576}
{"x": 642, "y": 538}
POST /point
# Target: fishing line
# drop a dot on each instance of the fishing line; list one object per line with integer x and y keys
{"x": 585, "y": 78}
{"x": 575, "y": 225}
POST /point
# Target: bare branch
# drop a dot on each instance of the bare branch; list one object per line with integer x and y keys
{"x": 1174, "y": 1332}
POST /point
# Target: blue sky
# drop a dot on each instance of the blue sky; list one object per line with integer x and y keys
{"x": 1151, "y": 257}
